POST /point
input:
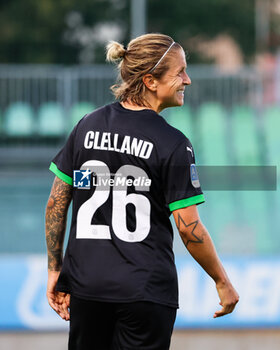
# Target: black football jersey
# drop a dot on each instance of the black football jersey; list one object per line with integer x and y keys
{"x": 129, "y": 170}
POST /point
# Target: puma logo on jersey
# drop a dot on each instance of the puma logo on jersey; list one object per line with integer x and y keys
{"x": 190, "y": 150}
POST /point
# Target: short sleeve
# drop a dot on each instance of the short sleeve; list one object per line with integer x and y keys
{"x": 62, "y": 163}
{"x": 180, "y": 177}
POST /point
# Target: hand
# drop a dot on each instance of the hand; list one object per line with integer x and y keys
{"x": 228, "y": 298}
{"x": 59, "y": 301}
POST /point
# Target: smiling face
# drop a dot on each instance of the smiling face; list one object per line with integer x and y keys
{"x": 170, "y": 88}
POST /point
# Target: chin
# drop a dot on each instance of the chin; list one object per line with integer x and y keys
{"x": 180, "y": 103}
{"x": 176, "y": 103}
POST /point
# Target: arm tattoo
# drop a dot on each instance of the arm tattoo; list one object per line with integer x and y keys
{"x": 56, "y": 216}
{"x": 188, "y": 237}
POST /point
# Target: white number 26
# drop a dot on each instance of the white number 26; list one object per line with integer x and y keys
{"x": 120, "y": 199}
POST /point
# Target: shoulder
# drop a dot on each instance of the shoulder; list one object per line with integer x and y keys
{"x": 169, "y": 137}
{"x": 97, "y": 111}
{"x": 173, "y": 133}
{"x": 95, "y": 114}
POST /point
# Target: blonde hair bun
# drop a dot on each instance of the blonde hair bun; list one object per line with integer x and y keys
{"x": 114, "y": 51}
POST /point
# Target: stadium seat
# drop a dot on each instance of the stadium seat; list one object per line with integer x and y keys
{"x": 212, "y": 122}
{"x": 19, "y": 120}
{"x": 1, "y": 122}
{"x": 181, "y": 119}
{"x": 218, "y": 215}
{"x": 247, "y": 148}
{"x": 78, "y": 110}
{"x": 244, "y": 136}
{"x": 255, "y": 214}
{"x": 271, "y": 126}
{"x": 51, "y": 120}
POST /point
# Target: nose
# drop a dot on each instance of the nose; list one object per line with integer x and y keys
{"x": 187, "y": 79}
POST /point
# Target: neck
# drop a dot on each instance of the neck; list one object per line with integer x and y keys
{"x": 132, "y": 106}
{"x": 152, "y": 102}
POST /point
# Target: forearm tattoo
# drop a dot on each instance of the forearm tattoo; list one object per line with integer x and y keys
{"x": 56, "y": 215}
{"x": 189, "y": 232}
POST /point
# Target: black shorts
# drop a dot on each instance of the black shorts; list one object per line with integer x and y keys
{"x": 119, "y": 326}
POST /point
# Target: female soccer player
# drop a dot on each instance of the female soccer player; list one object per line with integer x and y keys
{"x": 126, "y": 170}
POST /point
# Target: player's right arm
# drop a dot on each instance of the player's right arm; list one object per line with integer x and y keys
{"x": 199, "y": 244}
{"x": 55, "y": 225}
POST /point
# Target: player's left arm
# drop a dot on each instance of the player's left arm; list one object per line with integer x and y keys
{"x": 199, "y": 243}
{"x": 55, "y": 225}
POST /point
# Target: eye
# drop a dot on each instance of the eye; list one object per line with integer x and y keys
{"x": 181, "y": 71}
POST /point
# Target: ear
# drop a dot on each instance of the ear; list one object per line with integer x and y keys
{"x": 150, "y": 82}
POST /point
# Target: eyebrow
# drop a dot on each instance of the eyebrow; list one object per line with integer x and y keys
{"x": 182, "y": 68}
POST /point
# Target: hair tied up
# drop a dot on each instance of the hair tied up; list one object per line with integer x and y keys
{"x": 115, "y": 51}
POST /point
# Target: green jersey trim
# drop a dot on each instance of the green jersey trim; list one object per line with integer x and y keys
{"x": 182, "y": 203}
{"x": 60, "y": 174}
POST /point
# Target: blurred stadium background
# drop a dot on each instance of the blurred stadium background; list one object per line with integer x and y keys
{"x": 52, "y": 72}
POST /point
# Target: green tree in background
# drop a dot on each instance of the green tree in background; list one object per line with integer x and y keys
{"x": 64, "y": 31}
{"x": 189, "y": 21}
{"x": 71, "y": 32}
